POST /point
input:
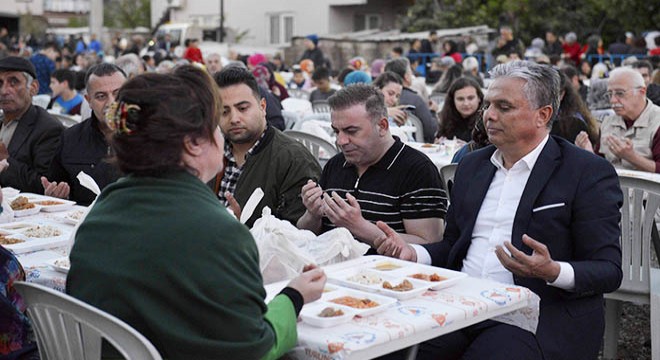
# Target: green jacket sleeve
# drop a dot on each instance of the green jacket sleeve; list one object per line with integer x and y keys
{"x": 282, "y": 318}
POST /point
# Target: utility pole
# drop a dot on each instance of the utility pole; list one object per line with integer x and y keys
{"x": 221, "y": 33}
{"x": 96, "y": 18}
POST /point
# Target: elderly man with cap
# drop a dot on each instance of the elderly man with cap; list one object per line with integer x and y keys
{"x": 29, "y": 135}
{"x": 312, "y": 51}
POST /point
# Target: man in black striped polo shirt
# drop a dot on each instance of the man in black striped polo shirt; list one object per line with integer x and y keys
{"x": 375, "y": 177}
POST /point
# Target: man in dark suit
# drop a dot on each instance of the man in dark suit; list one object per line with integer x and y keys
{"x": 29, "y": 135}
{"x": 533, "y": 210}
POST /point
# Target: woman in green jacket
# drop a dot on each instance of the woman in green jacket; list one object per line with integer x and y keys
{"x": 160, "y": 252}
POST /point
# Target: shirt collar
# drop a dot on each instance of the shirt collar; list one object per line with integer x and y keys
{"x": 228, "y": 148}
{"x": 529, "y": 159}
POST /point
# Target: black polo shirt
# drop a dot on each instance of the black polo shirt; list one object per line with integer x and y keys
{"x": 83, "y": 148}
{"x": 404, "y": 184}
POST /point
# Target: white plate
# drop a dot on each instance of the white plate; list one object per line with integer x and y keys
{"x": 383, "y": 301}
{"x": 310, "y": 315}
{"x": 13, "y": 236}
{"x": 35, "y": 244}
{"x": 15, "y": 227}
{"x": 74, "y": 217}
{"x": 27, "y": 212}
{"x": 406, "y": 268}
{"x": 60, "y": 264}
{"x": 57, "y": 204}
{"x": 450, "y": 277}
{"x": 10, "y": 192}
{"x": 349, "y": 278}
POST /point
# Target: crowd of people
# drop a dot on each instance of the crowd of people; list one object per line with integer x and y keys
{"x": 190, "y": 136}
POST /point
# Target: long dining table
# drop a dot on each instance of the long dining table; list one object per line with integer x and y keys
{"x": 407, "y": 322}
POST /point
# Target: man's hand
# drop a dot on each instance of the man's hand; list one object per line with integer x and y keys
{"x": 400, "y": 117}
{"x": 392, "y": 244}
{"x": 312, "y": 198}
{"x": 59, "y": 190}
{"x": 4, "y": 153}
{"x": 233, "y": 204}
{"x": 538, "y": 265}
{"x": 622, "y": 148}
{"x": 343, "y": 213}
{"x": 582, "y": 141}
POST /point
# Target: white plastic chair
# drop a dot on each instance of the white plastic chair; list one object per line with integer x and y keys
{"x": 641, "y": 199}
{"x": 447, "y": 173}
{"x": 299, "y": 94}
{"x": 321, "y": 149}
{"x": 67, "y": 120}
{"x": 419, "y": 127}
{"x": 67, "y": 328}
{"x": 41, "y": 100}
{"x": 290, "y": 119}
{"x": 321, "y": 106}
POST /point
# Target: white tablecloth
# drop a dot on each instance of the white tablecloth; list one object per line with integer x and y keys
{"x": 412, "y": 321}
{"x": 441, "y": 155}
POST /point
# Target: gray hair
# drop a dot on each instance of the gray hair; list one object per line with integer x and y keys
{"x": 398, "y": 66}
{"x": 28, "y": 79}
{"x": 542, "y": 82}
{"x": 130, "y": 63}
{"x": 358, "y": 94}
{"x": 634, "y": 77}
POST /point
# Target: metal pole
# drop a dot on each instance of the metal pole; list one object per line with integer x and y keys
{"x": 222, "y": 20}
{"x": 96, "y": 19}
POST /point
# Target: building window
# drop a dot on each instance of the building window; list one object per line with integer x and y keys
{"x": 366, "y": 22}
{"x": 281, "y": 28}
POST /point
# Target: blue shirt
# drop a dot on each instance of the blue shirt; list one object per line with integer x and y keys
{"x": 69, "y": 105}
{"x": 44, "y": 67}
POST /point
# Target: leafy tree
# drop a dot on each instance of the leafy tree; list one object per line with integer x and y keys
{"x": 531, "y": 18}
{"x": 127, "y": 13}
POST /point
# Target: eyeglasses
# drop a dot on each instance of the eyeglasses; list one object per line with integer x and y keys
{"x": 619, "y": 94}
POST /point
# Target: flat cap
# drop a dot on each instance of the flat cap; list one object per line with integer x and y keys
{"x": 15, "y": 63}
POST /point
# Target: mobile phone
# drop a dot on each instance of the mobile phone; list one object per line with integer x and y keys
{"x": 409, "y": 107}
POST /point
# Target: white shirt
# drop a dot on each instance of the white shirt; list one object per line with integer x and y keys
{"x": 494, "y": 223}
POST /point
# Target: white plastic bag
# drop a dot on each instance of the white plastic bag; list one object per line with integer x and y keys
{"x": 284, "y": 249}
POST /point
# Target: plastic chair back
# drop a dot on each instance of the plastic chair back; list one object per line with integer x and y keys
{"x": 419, "y": 127}
{"x": 321, "y": 149}
{"x": 641, "y": 199}
{"x": 447, "y": 173}
{"x": 321, "y": 106}
{"x": 67, "y": 328}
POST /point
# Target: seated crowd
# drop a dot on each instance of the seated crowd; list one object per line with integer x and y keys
{"x": 172, "y": 149}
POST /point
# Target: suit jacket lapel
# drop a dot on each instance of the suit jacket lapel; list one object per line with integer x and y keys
{"x": 545, "y": 165}
{"x": 23, "y": 129}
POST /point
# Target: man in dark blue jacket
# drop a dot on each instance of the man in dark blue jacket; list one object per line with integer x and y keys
{"x": 531, "y": 210}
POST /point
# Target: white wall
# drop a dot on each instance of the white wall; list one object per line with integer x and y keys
{"x": 310, "y": 17}
{"x": 36, "y": 7}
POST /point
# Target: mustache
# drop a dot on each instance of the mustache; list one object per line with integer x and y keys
{"x": 617, "y": 106}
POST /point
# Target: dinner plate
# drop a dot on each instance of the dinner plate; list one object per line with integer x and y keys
{"x": 35, "y": 244}
{"x": 10, "y": 192}
{"x": 407, "y": 269}
{"x": 73, "y": 217}
{"x": 381, "y": 302}
{"x": 60, "y": 264}
{"x": 374, "y": 281}
{"x": 311, "y": 314}
{"x": 27, "y": 212}
{"x": 53, "y": 204}
{"x": 14, "y": 227}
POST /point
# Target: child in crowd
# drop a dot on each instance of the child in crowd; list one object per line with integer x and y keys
{"x": 321, "y": 79}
